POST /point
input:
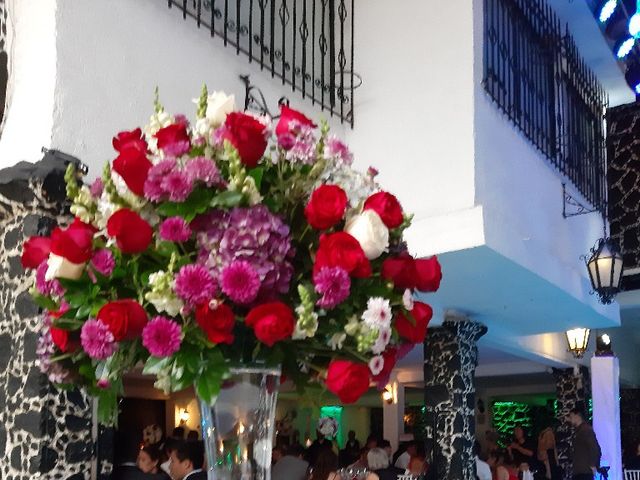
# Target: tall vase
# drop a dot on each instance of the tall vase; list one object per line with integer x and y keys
{"x": 238, "y": 428}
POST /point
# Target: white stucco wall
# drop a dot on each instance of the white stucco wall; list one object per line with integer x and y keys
{"x": 31, "y": 90}
{"x": 111, "y": 55}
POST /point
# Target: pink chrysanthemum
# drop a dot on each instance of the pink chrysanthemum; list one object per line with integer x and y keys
{"x": 162, "y": 337}
{"x": 195, "y": 285}
{"x": 97, "y": 340}
{"x": 47, "y": 287}
{"x": 240, "y": 282}
{"x": 204, "y": 170}
{"x": 177, "y": 185}
{"x": 103, "y": 262}
{"x": 334, "y": 284}
{"x": 96, "y": 188}
{"x": 175, "y": 229}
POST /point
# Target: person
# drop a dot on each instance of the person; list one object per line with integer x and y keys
{"x": 548, "y": 454}
{"x": 276, "y": 454}
{"x": 152, "y": 434}
{"x": 386, "y": 446}
{"x": 372, "y": 442}
{"x": 521, "y": 449}
{"x": 319, "y": 444}
{"x": 170, "y": 444}
{"x": 351, "y": 449}
{"x": 404, "y": 459}
{"x": 502, "y": 466}
{"x": 325, "y": 466}
{"x": 361, "y": 461}
{"x": 124, "y": 456}
{"x": 291, "y": 466}
{"x": 633, "y": 463}
{"x": 586, "y": 451}
{"x": 378, "y": 461}
{"x": 193, "y": 436}
{"x": 417, "y": 464}
{"x": 187, "y": 461}
{"x": 483, "y": 470}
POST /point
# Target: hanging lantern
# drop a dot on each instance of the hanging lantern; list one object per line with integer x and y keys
{"x": 578, "y": 341}
{"x": 605, "y": 269}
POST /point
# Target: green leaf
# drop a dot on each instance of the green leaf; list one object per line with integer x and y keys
{"x": 198, "y": 202}
{"x": 68, "y": 323}
{"x": 155, "y": 365}
{"x": 257, "y": 174}
{"x": 44, "y": 302}
{"x": 108, "y": 406}
{"x": 228, "y": 199}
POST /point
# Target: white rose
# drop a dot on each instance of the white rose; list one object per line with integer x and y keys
{"x": 371, "y": 233}
{"x": 219, "y": 105}
{"x": 60, "y": 267}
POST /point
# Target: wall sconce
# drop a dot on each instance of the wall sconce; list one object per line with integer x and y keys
{"x": 184, "y": 416}
{"x": 578, "y": 341}
{"x": 605, "y": 269}
{"x": 387, "y": 395}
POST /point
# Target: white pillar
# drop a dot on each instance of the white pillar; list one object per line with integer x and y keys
{"x": 393, "y": 414}
{"x": 605, "y": 387}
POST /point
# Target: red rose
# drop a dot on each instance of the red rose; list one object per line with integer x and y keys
{"x": 406, "y": 272}
{"x": 132, "y": 233}
{"x": 288, "y": 115}
{"x": 387, "y": 206}
{"x": 414, "y": 331}
{"x": 217, "y": 323}
{"x": 248, "y": 135}
{"x": 132, "y": 139}
{"x": 75, "y": 243}
{"x": 125, "y": 318}
{"x": 174, "y": 139}
{"x": 271, "y": 322}
{"x": 326, "y": 206}
{"x": 133, "y": 166}
{"x": 35, "y": 251}
{"x": 60, "y": 338}
{"x": 348, "y": 380}
{"x": 342, "y": 250}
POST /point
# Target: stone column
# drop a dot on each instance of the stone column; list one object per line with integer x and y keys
{"x": 42, "y": 431}
{"x": 573, "y": 387}
{"x": 450, "y": 359}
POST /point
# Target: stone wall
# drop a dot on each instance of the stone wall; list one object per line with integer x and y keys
{"x": 42, "y": 430}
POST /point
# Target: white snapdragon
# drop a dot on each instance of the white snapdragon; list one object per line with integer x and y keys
{"x": 162, "y": 296}
{"x": 336, "y": 341}
{"x": 407, "y": 299}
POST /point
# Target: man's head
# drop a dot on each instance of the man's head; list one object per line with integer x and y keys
{"x": 412, "y": 449}
{"x": 575, "y": 417}
{"x": 296, "y": 450}
{"x": 518, "y": 433}
{"x": 187, "y": 457}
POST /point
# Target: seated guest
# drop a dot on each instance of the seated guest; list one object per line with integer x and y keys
{"x": 417, "y": 464}
{"x": 187, "y": 461}
{"x": 291, "y": 466}
{"x": 378, "y": 461}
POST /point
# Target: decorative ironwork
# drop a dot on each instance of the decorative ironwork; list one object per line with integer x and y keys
{"x": 571, "y": 206}
{"x": 254, "y": 100}
{"x": 535, "y": 75}
{"x": 307, "y": 44}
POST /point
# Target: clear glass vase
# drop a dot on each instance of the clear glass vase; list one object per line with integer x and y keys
{"x": 239, "y": 428}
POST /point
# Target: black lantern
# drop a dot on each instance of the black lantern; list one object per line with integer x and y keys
{"x": 578, "y": 341}
{"x": 605, "y": 269}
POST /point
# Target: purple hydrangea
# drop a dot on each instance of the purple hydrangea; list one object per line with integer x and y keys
{"x": 254, "y": 235}
{"x": 334, "y": 284}
{"x": 336, "y": 149}
{"x": 175, "y": 229}
{"x": 45, "y": 350}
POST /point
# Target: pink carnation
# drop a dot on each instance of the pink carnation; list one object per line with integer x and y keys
{"x": 195, "y": 285}
{"x": 162, "y": 337}
{"x": 177, "y": 185}
{"x": 175, "y": 229}
{"x": 97, "y": 340}
{"x": 204, "y": 170}
{"x": 240, "y": 282}
{"x": 47, "y": 287}
{"x": 103, "y": 262}
{"x": 334, "y": 284}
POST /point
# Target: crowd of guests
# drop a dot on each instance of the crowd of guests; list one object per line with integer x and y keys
{"x": 525, "y": 459}
{"x": 173, "y": 458}
{"x": 322, "y": 460}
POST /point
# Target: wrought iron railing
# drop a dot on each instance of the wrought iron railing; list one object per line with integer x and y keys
{"x": 535, "y": 75}
{"x": 307, "y": 44}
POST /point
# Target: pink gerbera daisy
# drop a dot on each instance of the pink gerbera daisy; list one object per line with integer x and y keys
{"x": 195, "y": 285}
{"x": 162, "y": 337}
{"x": 240, "y": 282}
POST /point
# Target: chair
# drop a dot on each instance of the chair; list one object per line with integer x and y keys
{"x": 632, "y": 475}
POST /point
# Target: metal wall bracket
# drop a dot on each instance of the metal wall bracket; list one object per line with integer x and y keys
{"x": 254, "y": 100}
{"x": 571, "y": 206}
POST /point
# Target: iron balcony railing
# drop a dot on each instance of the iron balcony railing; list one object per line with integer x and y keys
{"x": 535, "y": 75}
{"x": 307, "y": 44}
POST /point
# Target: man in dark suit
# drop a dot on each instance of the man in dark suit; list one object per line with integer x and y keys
{"x": 125, "y": 455}
{"x": 187, "y": 461}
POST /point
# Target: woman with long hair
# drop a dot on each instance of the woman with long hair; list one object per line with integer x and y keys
{"x": 548, "y": 454}
{"x": 149, "y": 460}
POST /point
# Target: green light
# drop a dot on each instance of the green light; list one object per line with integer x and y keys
{"x": 335, "y": 412}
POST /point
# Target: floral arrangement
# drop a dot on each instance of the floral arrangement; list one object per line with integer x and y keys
{"x": 224, "y": 241}
{"x": 328, "y": 426}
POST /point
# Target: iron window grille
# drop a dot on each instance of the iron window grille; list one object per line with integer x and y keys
{"x": 535, "y": 75}
{"x": 307, "y": 44}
